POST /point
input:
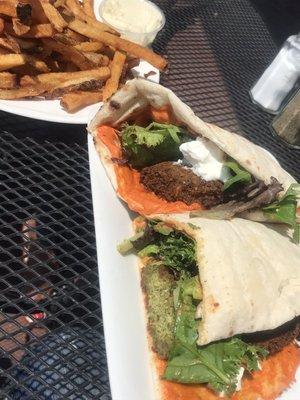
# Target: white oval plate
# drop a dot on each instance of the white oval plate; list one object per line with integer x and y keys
{"x": 50, "y": 110}
{"x": 131, "y": 372}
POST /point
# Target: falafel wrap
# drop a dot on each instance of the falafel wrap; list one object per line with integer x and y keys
{"x": 222, "y": 301}
{"x": 162, "y": 158}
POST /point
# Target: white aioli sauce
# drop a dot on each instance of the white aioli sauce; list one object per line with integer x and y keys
{"x": 132, "y": 15}
{"x": 206, "y": 159}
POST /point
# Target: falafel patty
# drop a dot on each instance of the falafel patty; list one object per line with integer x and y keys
{"x": 173, "y": 182}
{"x": 158, "y": 285}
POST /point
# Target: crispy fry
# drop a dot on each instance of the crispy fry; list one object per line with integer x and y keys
{"x": 10, "y": 44}
{"x": 35, "y": 31}
{"x": 27, "y": 80}
{"x": 75, "y": 7}
{"x": 97, "y": 74}
{"x": 97, "y": 59}
{"x": 49, "y": 87}
{"x": 112, "y": 83}
{"x": 75, "y": 101}
{"x": 8, "y": 80}
{"x": 19, "y": 28}
{"x": 8, "y": 61}
{"x": 70, "y": 53}
{"x": 89, "y": 46}
{"x": 75, "y": 36}
{"x": 134, "y": 49}
{"x": 8, "y": 8}
{"x": 14, "y": 60}
{"x": 53, "y": 15}
{"x": 23, "y": 92}
{"x": 88, "y": 8}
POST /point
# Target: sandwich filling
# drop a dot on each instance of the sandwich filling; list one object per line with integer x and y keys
{"x": 173, "y": 294}
{"x": 181, "y": 172}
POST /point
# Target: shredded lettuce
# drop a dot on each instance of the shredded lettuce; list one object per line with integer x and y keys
{"x": 241, "y": 176}
{"x": 285, "y": 210}
{"x": 217, "y": 364}
{"x": 153, "y": 144}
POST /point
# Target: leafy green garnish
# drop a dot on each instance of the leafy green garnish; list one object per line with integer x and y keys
{"x": 216, "y": 364}
{"x": 153, "y": 144}
{"x": 177, "y": 251}
{"x": 241, "y": 176}
{"x": 285, "y": 210}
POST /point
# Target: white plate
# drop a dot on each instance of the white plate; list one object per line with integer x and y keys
{"x": 130, "y": 371}
{"x": 50, "y": 110}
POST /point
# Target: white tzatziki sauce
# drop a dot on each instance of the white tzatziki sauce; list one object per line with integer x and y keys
{"x": 206, "y": 159}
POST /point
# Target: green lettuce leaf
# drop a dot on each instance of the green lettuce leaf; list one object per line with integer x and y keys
{"x": 217, "y": 364}
{"x": 241, "y": 176}
{"x": 153, "y": 144}
{"x": 285, "y": 210}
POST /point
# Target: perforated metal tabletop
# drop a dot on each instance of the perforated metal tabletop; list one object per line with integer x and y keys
{"x": 51, "y": 335}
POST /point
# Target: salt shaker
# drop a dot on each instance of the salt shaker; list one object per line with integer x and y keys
{"x": 279, "y": 78}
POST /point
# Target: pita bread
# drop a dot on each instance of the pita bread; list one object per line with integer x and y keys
{"x": 137, "y": 94}
{"x": 250, "y": 275}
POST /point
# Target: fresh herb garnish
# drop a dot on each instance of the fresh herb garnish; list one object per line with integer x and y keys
{"x": 216, "y": 364}
{"x": 241, "y": 176}
{"x": 153, "y": 144}
{"x": 172, "y": 248}
{"x": 175, "y": 251}
{"x": 285, "y": 210}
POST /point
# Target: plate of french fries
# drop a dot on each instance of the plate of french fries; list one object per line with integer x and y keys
{"x": 59, "y": 62}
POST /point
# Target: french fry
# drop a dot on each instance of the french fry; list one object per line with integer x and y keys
{"x": 8, "y": 8}
{"x": 88, "y": 8}
{"x": 75, "y": 7}
{"x": 75, "y": 101}
{"x": 27, "y": 80}
{"x": 89, "y": 46}
{"x": 19, "y": 28}
{"x": 53, "y": 15}
{"x": 97, "y": 59}
{"x": 37, "y": 89}
{"x": 35, "y": 31}
{"x": 26, "y": 91}
{"x": 70, "y": 53}
{"x": 14, "y": 60}
{"x": 10, "y": 44}
{"x": 118, "y": 43}
{"x": 94, "y": 74}
{"x": 75, "y": 36}
{"x": 8, "y": 61}
{"x": 111, "y": 85}
{"x": 8, "y": 80}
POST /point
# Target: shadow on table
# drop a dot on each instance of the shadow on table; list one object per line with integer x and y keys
{"x": 22, "y": 127}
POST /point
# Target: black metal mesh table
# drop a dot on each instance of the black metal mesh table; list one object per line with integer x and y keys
{"x": 51, "y": 334}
